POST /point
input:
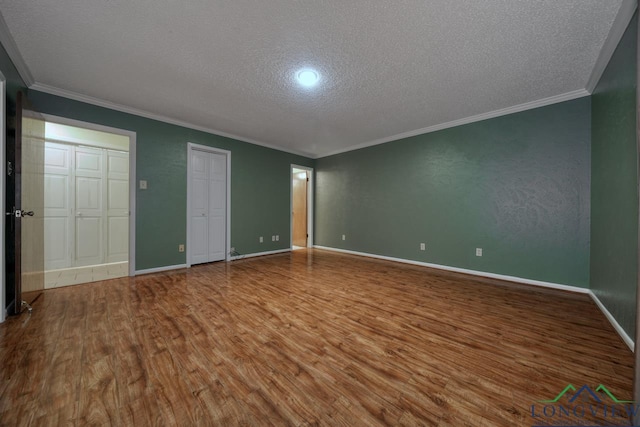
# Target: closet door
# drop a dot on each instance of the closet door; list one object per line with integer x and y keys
{"x": 199, "y": 238}
{"x": 57, "y": 206}
{"x": 89, "y": 205}
{"x": 117, "y": 221}
{"x": 217, "y": 206}
{"x": 208, "y": 207}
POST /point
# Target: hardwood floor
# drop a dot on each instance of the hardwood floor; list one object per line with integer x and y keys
{"x": 303, "y": 338}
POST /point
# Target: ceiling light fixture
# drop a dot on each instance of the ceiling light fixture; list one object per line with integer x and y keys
{"x": 307, "y": 77}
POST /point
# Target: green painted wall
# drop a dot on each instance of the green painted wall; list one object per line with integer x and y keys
{"x": 521, "y": 186}
{"x": 260, "y": 183}
{"x": 614, "y": 184}
{"x": 516, "y": 186}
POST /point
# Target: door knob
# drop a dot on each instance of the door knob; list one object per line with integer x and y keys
{"x": 19, "y": 213}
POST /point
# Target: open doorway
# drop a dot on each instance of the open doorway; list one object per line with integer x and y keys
{"x": 301, "y": 207}
{"x": 88, "y": 227}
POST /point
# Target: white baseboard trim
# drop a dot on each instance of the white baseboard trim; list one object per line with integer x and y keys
{"x": 464, "y": 270}
{"x": 255, "y": 254}
{"x": 623, "y": 334}
{"x": 625, "y": 337}
{"x": 160, "y": 269}
{"x": 179, "y": 266}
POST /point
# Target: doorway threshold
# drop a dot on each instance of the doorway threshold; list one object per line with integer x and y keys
{"x": 86, "y": 274}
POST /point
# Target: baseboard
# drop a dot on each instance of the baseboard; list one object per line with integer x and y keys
{"x": 255, "y": 254}
{"x": 623, "y": 334}
{"x": 179, "y": 266}
{"x": 62, "y": 277}
{"x": 625, "y": 337}
{"x": 160, "y": 269}
{"x": 464, "y": 271}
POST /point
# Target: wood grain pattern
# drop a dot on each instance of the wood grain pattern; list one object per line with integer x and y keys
{"x": 304, "y": 338}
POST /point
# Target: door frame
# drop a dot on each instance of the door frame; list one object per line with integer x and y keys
{"x": 310, "y": 201}
{"x": 132, "y": 174}
{"x": 199, "y": 147}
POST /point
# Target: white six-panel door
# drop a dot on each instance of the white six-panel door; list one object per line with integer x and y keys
{"x": 117, "y": 226}
{"x": 89, "y": 206}
{"x": 199, "y": 239}
{"x": 208, "y": 206}
{"x": 86, "y": 206}
{"x": 217, "y": 206}
{"x": 57, "y": 206}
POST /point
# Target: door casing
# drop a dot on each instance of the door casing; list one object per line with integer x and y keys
{"x": 132, "y": 174}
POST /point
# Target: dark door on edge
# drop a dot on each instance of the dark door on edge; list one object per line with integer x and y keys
{"x": 24, "y": 237}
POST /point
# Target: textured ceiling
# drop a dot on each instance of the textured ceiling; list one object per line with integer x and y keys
{"x": 387, "y": 67}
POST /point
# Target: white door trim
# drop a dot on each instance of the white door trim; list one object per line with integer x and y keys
{"x": 190, "y": 147}
{"x": 3, "y": 184}
{"x": 310, "y": 193}
{"x": 132, "y": 174}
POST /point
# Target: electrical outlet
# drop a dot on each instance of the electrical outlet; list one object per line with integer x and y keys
{"x": 180, "y": 248}
{"x": 273, "y": 238}
{"x": 478, "y": 251}
{"x": 261, "y": 239}
{"x": 277, "y": 237}
{"x": 143, "y": 184}
{"x": 423, "y": 246}
{"x": 344, "y": 237}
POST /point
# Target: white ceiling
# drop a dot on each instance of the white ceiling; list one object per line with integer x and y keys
{"x": 389, "y": 68}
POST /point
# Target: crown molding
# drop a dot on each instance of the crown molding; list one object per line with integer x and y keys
{"x": 146, "y": 114}
{"x": 14, "y": 53}
{"x": 484, "y": 116}
{"x": 568, "y": 96}
{"x": 620, "y": 24}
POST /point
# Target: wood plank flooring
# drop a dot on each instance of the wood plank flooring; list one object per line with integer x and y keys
{"x": 303, "y": 338}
